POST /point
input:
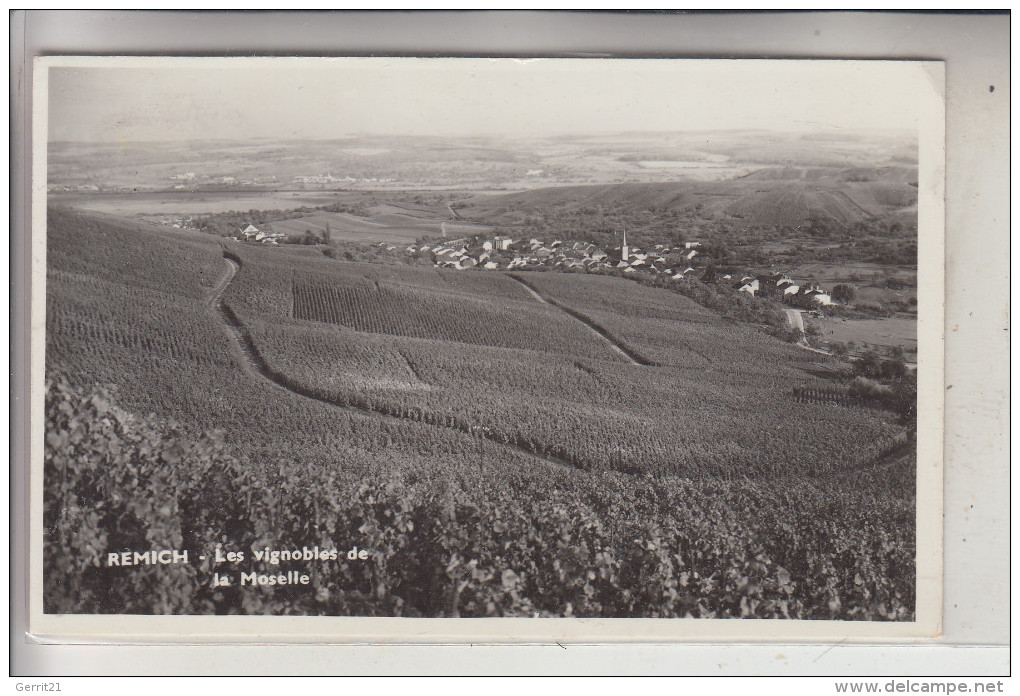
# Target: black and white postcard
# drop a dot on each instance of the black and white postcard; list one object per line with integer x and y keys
{"x": 487, "y": 349}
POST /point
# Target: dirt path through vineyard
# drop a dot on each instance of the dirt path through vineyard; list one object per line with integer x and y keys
{"x": 796, "y": 319}
{"x": 256, "y": 366}
{"x": 632, "y": 357}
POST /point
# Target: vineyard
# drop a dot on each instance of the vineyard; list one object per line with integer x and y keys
{"x": 402, "y": 311}
{"x": 497, "y": 456}
{"x": 514, "y": 381}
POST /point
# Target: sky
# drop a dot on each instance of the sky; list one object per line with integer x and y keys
{"x": 212, "y": 99}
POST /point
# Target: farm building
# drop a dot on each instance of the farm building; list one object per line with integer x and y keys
{"x": 249, "y": 233}
{"x": 270, "y": 237}
{"x": 768, "y": 284}
{"x": 750, "y": 288}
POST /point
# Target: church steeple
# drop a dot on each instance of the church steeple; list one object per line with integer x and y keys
{"x": 624, "y": 251}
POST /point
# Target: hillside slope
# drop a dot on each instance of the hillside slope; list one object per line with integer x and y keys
{"x": 483, "y": 480}
{"x": 770, "y": 198}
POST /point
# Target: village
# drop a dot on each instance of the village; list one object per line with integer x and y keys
{"x": 675, "y": 263}
{"x": 504, "y": 253}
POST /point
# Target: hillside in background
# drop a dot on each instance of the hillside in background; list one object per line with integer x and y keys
{"x": 490, "y": 163}
{"x": 795, "y": 198}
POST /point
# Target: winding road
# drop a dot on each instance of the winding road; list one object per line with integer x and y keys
{"x": 794, "y": 316}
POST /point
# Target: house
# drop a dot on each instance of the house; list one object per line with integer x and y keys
{"x": 487, "y": 245}
{"x": 492, "y": 265}
{"x": 818, "y": 296}
{"x": 791, "y": 290}
{"x": 466, "y": 262}
{"x": 691, "y": 254}
{"x": 249, "y": 233}
{"x": 768, "y": 284}
{"x": 502, "y": 243}
{"x": 623, "y": 264}
{"x": 691, "y": 245}
{"x": 599, "y": 255}
{"x": 269, "y": 237}
{"x": 750, "y": 288}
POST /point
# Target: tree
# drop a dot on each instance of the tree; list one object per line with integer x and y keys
{"x": 327, "y": 235}
{"x": 844, "y": 293}
{"x": 716, "y": 250}
{"x": 869, "y": 364}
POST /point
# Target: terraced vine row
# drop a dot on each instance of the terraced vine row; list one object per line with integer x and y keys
{"x": 378, "y": 308}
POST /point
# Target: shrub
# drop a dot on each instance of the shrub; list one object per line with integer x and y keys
{"x": 116, "y": 482}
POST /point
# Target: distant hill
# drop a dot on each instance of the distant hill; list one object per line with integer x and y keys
{"x": 774, "y": 197}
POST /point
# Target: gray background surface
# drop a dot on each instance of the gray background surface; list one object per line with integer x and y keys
{"x": 976, "y": 51}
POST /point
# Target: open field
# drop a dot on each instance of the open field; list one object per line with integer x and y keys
{"x": 854, "y": 272}
{"x": 751, "y": 201}
{"x": 386, "y": 227}
{"x": 374, "y": 162}
{"x": 493, "y": 451}
{"x": 890, "y": 332}
{"x": 383, "y": 223}
{"x": 194, "y": 202}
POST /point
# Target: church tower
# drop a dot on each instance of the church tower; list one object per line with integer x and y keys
{"x": 624, "y": 251}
